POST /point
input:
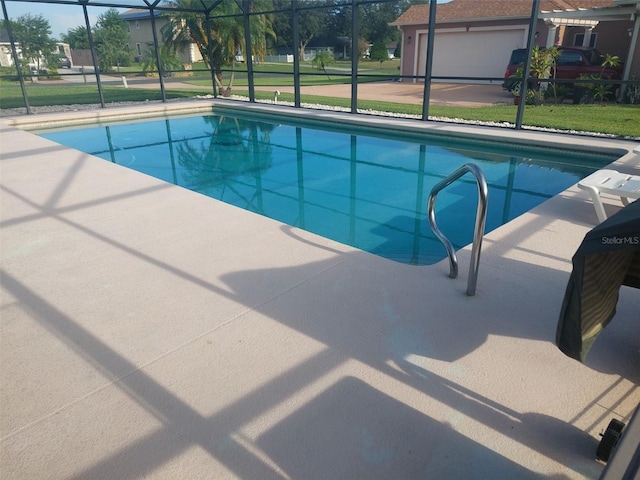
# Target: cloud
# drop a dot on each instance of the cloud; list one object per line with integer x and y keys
{"x": 61, "y": 18}
{"x": 62, "y": 23}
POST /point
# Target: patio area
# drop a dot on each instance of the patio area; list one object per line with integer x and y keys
{"x": 151, "y": 332}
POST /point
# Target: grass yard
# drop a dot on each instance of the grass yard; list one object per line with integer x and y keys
{"x": 42, "y": 95}
{"x": 281, "y": 74}
{"x": 614, "y": 119}
{"x": 270, "y": 79}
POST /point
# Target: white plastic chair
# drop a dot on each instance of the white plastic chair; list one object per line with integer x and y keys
{"x": 622, "y": 185}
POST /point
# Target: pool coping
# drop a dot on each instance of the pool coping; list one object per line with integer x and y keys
{"x": 332, "y": 117}
{"x": 501, "y": 390}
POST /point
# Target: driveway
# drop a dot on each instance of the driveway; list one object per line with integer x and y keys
{"x": 467, "y": 95}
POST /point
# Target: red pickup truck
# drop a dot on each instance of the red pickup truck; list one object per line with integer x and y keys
{"x": 573, "y": 62}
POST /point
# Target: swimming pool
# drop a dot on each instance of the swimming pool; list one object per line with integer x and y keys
{"x": 365, "y": 190}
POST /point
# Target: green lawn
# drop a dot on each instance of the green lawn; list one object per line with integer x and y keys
{"x": 614, "y": 119}
{"x": 387, "y": 68}
{"x": 41, "y": 95}
{"x": 281, "y": 74}
{"x": 620, "y": 120}
{"x": 270, "y": 79}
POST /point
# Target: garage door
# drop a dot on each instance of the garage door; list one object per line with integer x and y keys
{"x": 471, "y": 54}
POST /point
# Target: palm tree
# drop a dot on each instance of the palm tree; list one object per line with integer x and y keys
{"x": 233, "y": 149}
{"x": 168, "y": 59}
{"x": 321, "y": 60}
{"x": 227, "y": 34}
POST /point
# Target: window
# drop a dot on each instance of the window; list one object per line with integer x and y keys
{"x": 594, "y": 57}
{"x": 137, "y": 24}
{"x": 138, "y": 49}
{"x": 570, "y": 58}
{"x": 579, "y": 38}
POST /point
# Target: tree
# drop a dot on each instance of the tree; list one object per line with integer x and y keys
{"x": 376, "y": 17}
{"x": 33, "y": 32}
{"x": 281, "y": 24}
{"x": 332, "y": 20}
{"x": 379, "y": 53}
{"x": 321, "y": 60}
{"x": 338, "y": 22}
{"x": 112, "y": 41}
{"x": 227, "y": 34}
{"x": 262, "y": 33}
{"x": 186, "y": 28}
{"x": 363, "y": 47}
{"x": 397, "y": 53}
{"x": 168, "y": 59}
{"x": 233, "y": 148}
{"x": 77, "y": 38}
{"x": 312, "y": 23}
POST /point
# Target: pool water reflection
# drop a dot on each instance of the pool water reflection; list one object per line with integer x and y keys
{"x": 358, "y": 189}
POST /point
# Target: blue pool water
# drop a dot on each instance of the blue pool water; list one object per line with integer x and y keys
{"x": 362, "y": 190}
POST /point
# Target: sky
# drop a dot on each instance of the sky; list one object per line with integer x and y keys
{"x": 64, "y": 17}
{"x": 60, "y": 17}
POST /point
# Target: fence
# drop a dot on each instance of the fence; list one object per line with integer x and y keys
{"x": 278, "y": 58}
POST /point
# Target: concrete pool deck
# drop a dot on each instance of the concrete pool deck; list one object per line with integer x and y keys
{"x": 151, "y": 332}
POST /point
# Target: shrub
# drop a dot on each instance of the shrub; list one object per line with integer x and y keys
{"x": 632, "y": 92}
{"x": 168, "y": 59}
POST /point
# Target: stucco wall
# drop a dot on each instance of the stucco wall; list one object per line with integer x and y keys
{"x": 409, "y": 50}
{"x": 612, "y": 38}
{"x": 141, "y": 33}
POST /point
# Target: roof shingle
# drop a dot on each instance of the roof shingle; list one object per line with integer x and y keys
{"x": 478, "y": 9}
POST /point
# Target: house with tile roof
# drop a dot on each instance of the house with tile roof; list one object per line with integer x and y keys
{"x": 474, "y": 38}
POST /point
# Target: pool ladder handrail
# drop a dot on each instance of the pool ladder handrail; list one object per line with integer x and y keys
{"x": 481, "y": 217}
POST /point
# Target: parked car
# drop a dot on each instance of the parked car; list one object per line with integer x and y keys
{"x": 573, "y": 62}
{"x": 64, "y": 62}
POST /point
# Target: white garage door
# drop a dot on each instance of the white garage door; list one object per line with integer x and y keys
{"x": 471, "y": 54}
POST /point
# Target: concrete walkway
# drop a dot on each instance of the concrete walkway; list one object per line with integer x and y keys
{"x": 151, "y": 332}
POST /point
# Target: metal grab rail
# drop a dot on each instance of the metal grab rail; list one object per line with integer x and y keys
{"x": 481, "y": 217}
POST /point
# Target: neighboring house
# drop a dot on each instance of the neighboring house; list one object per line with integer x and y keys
{"x": 474, "y": 38}
{"x": 6, "y": 59}
{"x": 141, "y": 34}
{"x": 5, "y": 55}
{"x": 312, "y": 50}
